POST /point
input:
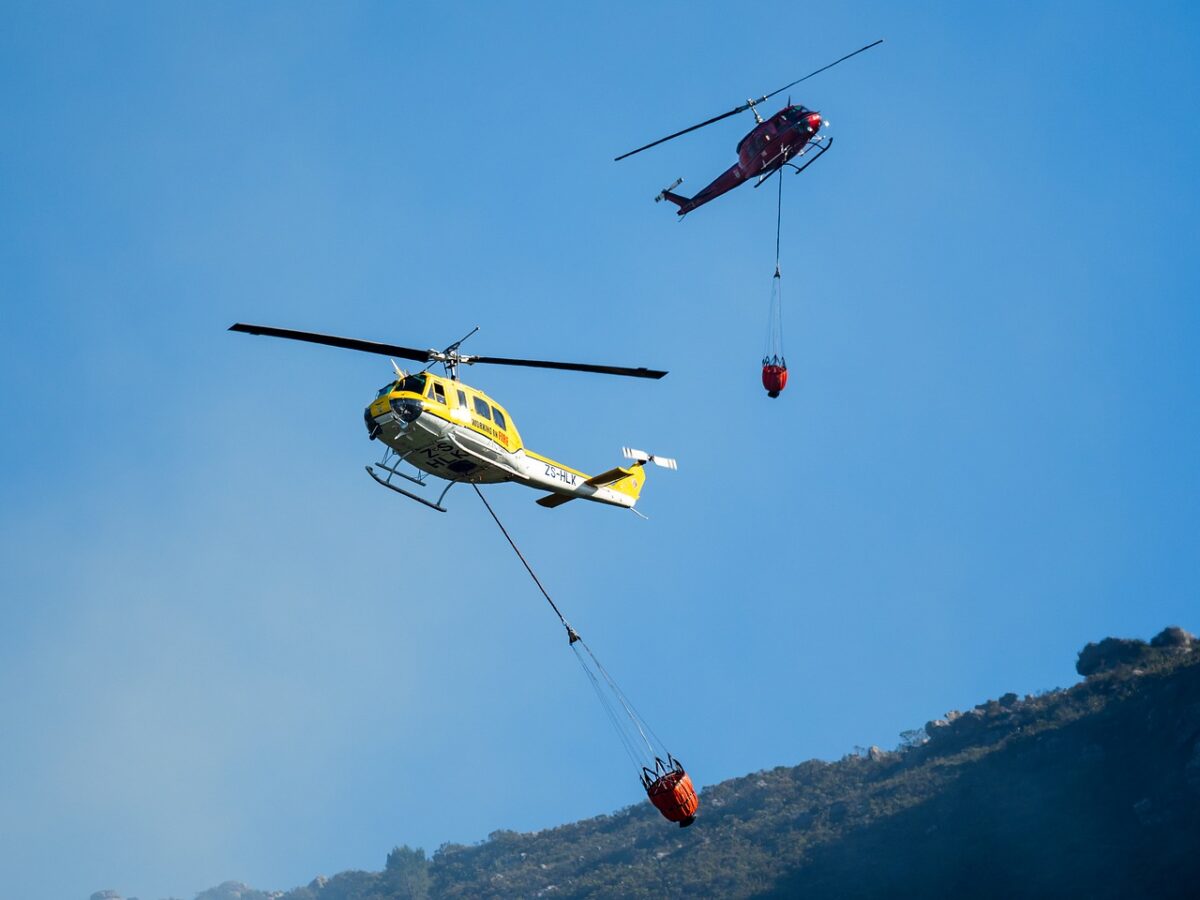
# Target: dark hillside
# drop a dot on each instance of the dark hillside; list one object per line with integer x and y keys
{"x": 1092, "y": 791}
{"x": 1096, "y": 794}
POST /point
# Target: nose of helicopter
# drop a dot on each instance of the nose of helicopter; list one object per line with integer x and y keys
{"x": 814, "y": 121}
{"x": 403, "y": 411}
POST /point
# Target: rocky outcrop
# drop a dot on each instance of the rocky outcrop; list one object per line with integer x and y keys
{"x": 235, "y": 890}
{"x": 1110, "y": 654}
{"x": 1115, "y": 653}
{"x": 1173, "y": 638}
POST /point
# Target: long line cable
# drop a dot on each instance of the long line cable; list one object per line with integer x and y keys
{"x": 778, "y": 220}
{"x": 640, "y": 725}
{"x": 528, "y": 568}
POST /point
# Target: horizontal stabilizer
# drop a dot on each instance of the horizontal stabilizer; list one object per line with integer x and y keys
{"x": 642, "y": 457}
{"x": 552, "y": 500}
{"x": 607, "y": 477}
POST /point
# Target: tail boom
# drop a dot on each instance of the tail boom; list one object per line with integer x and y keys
{"x": 667, "y": 193}
{"x": 619, "y": 486}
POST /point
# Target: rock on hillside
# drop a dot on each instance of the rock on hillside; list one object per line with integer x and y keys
{"x": 1113, "y": 653}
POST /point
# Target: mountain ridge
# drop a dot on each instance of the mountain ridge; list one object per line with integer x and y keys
{"x": 1091, "y": 790}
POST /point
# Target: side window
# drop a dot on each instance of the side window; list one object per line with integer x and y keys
{"x": 462, "y": 400}
{"x": 482, "y": 409}
{"x": 498, "y": 418}
{"x": 439, "y": 393}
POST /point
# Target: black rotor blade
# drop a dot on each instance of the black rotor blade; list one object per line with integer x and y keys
{"x": 639, "y": 372}
{"x": 331, "y": 341}
{"x": 671, "y": 137}
{"x": 819, "y": 71}
{"x": 424, "y": 356}
{"x": 745, "y": 106}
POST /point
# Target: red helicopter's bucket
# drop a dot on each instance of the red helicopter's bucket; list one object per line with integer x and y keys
{"x": 774, "y": 377}
{"x": 774, "y": 366}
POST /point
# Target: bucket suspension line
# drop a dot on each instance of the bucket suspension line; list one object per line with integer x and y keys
{"x": 775, "y": 326}
{"x": 632, "y": 746}
{"x": 631, "y": 728}
{"x": 774, "y": 365}
{"x": 648, "y": 738}
{"x": 666, "y": 783}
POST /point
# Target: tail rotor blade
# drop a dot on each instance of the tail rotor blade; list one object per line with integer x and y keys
{"x": 641, "y": 457}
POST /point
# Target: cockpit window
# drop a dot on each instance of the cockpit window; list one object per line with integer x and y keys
{"x": 386, "y": 389}
{"x": 439, "y": 393}
{"x": 413, "y": 383}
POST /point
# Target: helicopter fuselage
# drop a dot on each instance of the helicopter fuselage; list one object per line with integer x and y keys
{"x": 769, "y": 146}
{"x": 450, "y": 430}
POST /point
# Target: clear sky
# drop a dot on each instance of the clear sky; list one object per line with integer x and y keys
{"x": 225, "y": 653}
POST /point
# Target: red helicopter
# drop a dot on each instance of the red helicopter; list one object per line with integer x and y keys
{"x": 774, "y": 143}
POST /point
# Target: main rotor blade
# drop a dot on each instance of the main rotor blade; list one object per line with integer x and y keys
{"x": 425, "y": 356}
{"x": 671, "y": 137}
{"x": 331, "y": 341}
{"x": 639, "y": 372}
{"x": 819, "y": 71}
{"x": 745, "y": 106}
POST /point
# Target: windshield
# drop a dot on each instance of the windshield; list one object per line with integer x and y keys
{"x": 413, "y": 383}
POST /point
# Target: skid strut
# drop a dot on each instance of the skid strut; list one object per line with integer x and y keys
{"x": 392, "y": 469}
{"x": 816, "y": 156}
{"x": 821, "y": 148}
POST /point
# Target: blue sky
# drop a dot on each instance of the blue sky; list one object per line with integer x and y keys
{"x": 226, "y": 653}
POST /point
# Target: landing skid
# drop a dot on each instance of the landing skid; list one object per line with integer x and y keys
{"x": 821, "y": 148}
{"x": 390, "y": 464}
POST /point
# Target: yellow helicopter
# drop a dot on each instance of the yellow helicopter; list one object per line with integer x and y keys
{"x": 445, "y": 428}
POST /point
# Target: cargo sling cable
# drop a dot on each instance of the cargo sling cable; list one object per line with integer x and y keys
{"x": 663, "y": 777}
{"x": 774, "y": 366}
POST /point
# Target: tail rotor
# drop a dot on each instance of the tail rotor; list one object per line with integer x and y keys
{"x": 641, "y": 457}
